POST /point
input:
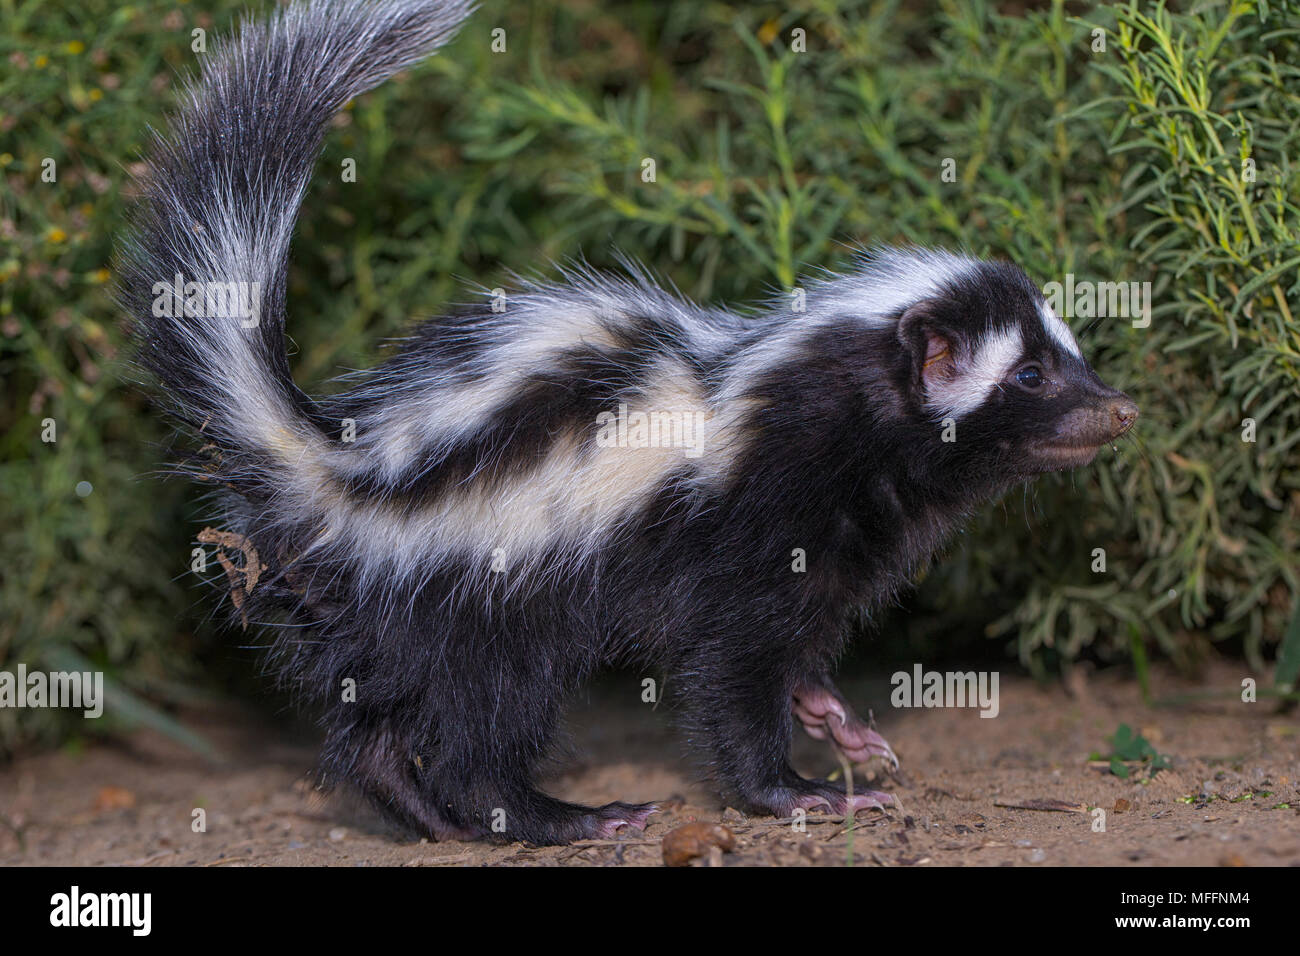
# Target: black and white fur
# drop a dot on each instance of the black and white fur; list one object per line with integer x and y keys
{"x": 475, "y": 554}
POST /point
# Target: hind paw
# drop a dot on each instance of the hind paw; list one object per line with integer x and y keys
{"x": 607, "y": 821}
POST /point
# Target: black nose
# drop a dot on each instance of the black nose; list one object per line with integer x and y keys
{"x": 1123, "y": 412}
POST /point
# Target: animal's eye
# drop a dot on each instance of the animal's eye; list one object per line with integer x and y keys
{"x": 1030, "y": 377}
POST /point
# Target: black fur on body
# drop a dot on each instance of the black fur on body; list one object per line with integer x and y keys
{"x": 473, "y": 556}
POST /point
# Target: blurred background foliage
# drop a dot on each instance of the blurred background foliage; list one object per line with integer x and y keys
{"x": 1119, "y": 164}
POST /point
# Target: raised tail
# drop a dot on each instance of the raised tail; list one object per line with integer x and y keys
{"x": 202, "y": 272}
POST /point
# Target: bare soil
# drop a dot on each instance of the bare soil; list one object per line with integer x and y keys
{"x": 1230, "y": 798}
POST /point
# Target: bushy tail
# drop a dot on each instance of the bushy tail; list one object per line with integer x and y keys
{"x": 203, "y": 269}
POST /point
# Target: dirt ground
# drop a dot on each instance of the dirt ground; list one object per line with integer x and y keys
{"x": 1230, "y": 798}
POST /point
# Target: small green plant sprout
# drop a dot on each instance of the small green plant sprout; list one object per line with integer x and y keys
{"x": 1129, "y": 749}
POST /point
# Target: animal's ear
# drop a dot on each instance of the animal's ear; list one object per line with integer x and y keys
{"x": 932, "y": 351}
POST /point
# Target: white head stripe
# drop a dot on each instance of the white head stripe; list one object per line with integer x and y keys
{"x": 1058, "y": 330}
{"x": 978, "y": 375}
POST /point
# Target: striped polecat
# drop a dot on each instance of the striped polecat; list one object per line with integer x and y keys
{"x": 593, "y": 472}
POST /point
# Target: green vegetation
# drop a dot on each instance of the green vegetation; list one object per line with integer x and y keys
{"x": 1166, "y": 158}
{"x": 1128, "y": 749}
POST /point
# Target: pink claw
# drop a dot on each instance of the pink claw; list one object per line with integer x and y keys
{"x": 636, "y": 818}
{"x": 872, "y": 800}
{"x": 813, "y": 704}
{"x": 866, "y": 800}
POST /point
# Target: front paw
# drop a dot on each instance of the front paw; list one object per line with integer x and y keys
{"x": 820, "y": 796}
{"x": 825, "y": 714}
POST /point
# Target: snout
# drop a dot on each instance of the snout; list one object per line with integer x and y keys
{"x": 1123, "y": 413}
{"x": 1082, "y": 430}
{"x": 1097, "y": 421}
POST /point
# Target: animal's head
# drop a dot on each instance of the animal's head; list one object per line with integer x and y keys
{"x": 985, "y": 372}
{"x": 988, "y": 353}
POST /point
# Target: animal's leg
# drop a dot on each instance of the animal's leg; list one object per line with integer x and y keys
{"x": 746, "y": 714}
{"x": 423, "y": 787}
{"x": 482, "y": 775}
{"x": 385, "y": 769}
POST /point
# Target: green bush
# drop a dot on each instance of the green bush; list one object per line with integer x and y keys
{"x": 1117, "y": 165}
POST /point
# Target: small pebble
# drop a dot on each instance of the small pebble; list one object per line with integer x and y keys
{"x": 732, "y": 815}
{"x": 692, "y": 840}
